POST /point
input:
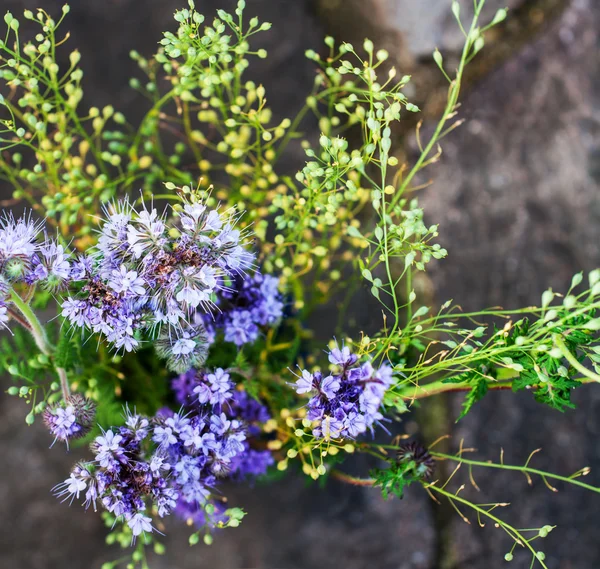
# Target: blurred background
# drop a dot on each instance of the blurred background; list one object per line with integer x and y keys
{"x": 517, "y": 197}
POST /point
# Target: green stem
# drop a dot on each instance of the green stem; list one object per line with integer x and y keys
{"x": 352, "y": 479}
{"x": 524, "y": 469}
{"x": 511, "y": 531}
{"x": 453, "y": 95}
{"x": 436, "y": 387}
{"x": 559, "y": 343}
{"x": 36, "y": 329}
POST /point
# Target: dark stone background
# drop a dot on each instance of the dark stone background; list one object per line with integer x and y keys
{"x": 517, "y": 200}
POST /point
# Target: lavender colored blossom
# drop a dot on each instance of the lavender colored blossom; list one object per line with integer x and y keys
{"x": 149, "y": 276}
{"x": 18, "y": 237}
{"x": 242, "y": 308}
{"x": 239, "y": 328}
{"x": 139, "y": 523}
{"x": 346, "y": 402}
{"x": 305, "y": 383}
{"x": 51, "y": 264}
{"x": 214, "y": 388}
{"x": 194, "y": 387}
{"x": 28, "y": 258}
{"x": 71, "y": 421}
{"x": 252, "y": 464}
{"x": 172, "y": 462}
{"x": 183, "y": 386}
{"x": 126, "y": 477}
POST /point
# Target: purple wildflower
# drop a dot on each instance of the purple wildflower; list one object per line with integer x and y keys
{"x": 243, "y": 307}
{"x": 345, "y": 403}
{"x": 173, "y": 461}
{"x": 144, "y": 280}
{"x": 71, "y": 421}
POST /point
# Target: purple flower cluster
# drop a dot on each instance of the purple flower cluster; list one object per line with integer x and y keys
{"x": 253, "y": 462}
{"x": 195, "y": 386}
{"x": 71, "y": 420}
{"x": 346, "y": 402}
{"x": 124, "y": 477}
{"x": 26, "y": 257}
{"x": 150, "y": 277}
{"x": 172, "y": 462}
{"x": 241, "y": 309}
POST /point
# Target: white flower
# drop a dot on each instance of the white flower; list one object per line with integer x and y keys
{"x": 305, "y": 382}
{"x": 183, "y": 347}
{"x": 75, "y": 485}
{"x": 140, "y": 523}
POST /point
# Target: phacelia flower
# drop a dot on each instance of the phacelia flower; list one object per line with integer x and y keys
{"x": 173, "y": 461}
{"x": 28, "y": 258}
{"x": 241, "y": 309}
{"x": 148, "y": 277}
{"x": 71, "y": 420}
{"x": 346, "y": 402}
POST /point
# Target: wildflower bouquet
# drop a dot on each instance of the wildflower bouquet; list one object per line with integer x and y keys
{"x": 159, "y": 287}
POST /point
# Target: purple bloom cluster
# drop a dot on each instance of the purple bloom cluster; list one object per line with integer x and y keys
{"x": 172, "y": 462}
{"x": 147, "y": 275}
{"x": 26, "y": 257}
{"x": 346, "y": 402}
{"x": 193, "y": 385}
{"x": 71, "y": 420}
{"x": 253, "y": 462}
{"x": 241, "y": 309}
{"x": 124, "y": 477}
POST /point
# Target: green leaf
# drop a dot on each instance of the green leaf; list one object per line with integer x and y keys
{"x": 476, "y": 394}
{"x": 66, "y": 355}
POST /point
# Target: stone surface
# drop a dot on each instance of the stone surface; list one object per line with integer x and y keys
{"x": 418, "y": 26}
{"x": 517, "y": 198}
{"x": 427, "y": 24}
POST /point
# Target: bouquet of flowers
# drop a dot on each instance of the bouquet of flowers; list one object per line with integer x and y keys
{"x": 159, "y": 286}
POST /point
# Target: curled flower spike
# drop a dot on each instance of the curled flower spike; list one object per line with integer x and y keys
{"x": 72, "y": 419}
{"x": 415, "y": 452}
{"x": 149, "y": 276}
{"x": 172, "y": 461}
{"x": 183, "y": 349}
{"x": 345, "y": 403}
{"x": 240, "y": 310}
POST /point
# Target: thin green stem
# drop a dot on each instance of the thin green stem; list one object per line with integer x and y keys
{"x": 35, "y": 327}
{"x": 453, "y": 94}
{"x": 436, "y": 387}
{"x": 413, "y": 392}
{"x": 524, "y": 469}
{"x": 510, "y": 530}
{"x": 343, "y": 477}
{"x": 559, "y": 343}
